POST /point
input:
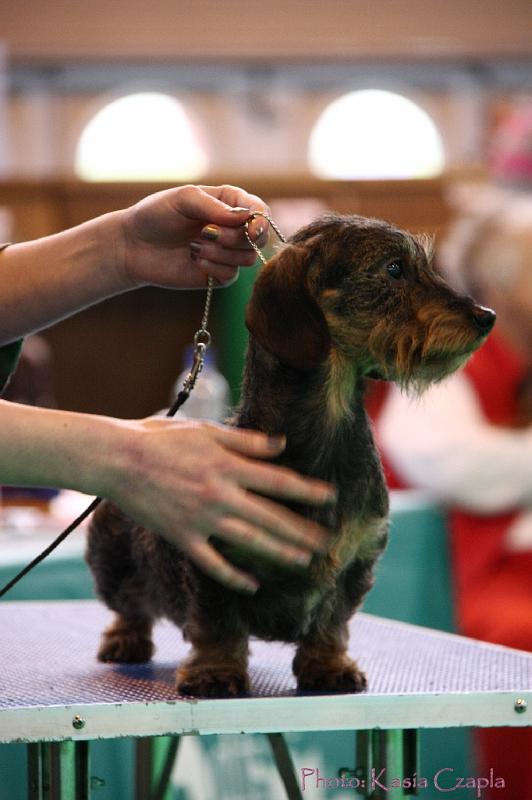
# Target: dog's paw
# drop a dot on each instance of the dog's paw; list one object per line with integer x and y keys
{"x": 125, "y": 648}
{"x": 197, "y": 682}
{"x": 344, "y": 678}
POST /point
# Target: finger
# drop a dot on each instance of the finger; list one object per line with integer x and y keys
{"x": 202, "y": 203}
{"x": 281, "y": 482}
{"x": 276, "y": 480}
{"x": 259, "y": 231}
{"x": 248, "y": 442}
{"x": 235, "y": 238}
{"x": 221, "y": 274}
{"x": 236, "y": 197}
{"x": 276, "y": 519}
{"x": 212, "y": 563}
{"x": 242, "y": 205}
{"x": 226, "y": 206}
{"x": 222, "y": 254}
{"x": 239, "y": 532}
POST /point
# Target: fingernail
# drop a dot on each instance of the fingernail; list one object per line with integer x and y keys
{"x": 302, "y": 558}
{"x": 331, "y": 495}
{"x": 211, "y": 233}
{"x": 256, "y": 233}
{"x": 322, "y": 544}
{"x": 249, "y": 587}
{"x": 239, "y": 210}
{"x": 195, "y": 250}
{"x": 276, "y": 442}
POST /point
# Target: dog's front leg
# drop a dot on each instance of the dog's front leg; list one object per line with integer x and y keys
{"x": 217, "y": 665}
{"x": 127, "y": 640}
{"x": 321, "y": 663}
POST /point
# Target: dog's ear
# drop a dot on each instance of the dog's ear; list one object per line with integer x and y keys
{"x": 283, "y": 315}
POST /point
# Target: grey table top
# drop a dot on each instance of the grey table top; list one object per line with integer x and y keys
{"x": 418, "y": 678}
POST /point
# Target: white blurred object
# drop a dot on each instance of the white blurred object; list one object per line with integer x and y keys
{"x": 210, "y": 398}
{"x": 26, "y": 531}
{"x": 519, "y": 536}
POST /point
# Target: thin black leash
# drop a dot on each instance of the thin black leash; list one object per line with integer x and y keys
{"x": 202, "y": 340}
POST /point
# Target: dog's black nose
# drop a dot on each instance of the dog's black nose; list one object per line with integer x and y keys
{"x": 484, "y": 318}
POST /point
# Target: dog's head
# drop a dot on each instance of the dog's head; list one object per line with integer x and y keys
{"x": 361, "y": 291}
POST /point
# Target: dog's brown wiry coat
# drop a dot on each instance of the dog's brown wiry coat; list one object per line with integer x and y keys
{"x": 347, "y": 298}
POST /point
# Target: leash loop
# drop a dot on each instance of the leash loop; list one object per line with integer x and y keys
{"x": 198, "y": 359}
{"x": 270, "y": 222}
{"x": 202, "y": 340}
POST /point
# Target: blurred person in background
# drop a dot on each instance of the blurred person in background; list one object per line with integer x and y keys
{"x": 469, "y": 440}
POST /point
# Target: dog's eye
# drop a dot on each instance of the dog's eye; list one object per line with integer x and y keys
{"x": 395, "y": 269}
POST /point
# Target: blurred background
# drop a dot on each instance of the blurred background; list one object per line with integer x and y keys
{"x": 380, "y": 109}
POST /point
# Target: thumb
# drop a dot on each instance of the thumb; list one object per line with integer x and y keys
{"x": 203, "y": 206}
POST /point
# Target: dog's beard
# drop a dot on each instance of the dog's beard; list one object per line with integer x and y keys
{"x": 421, "y": 371}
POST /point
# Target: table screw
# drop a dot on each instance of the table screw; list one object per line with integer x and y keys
{"x": 78, "y": 722}
{"x": 520, "y": 705}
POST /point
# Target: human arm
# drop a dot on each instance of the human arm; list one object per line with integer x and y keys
{"x": 45, "y": 280}
{"x": 443, "y": 443}
{"x": 186, "y": 480}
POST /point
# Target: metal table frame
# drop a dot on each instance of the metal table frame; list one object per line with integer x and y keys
{"x": 418, "y": 678}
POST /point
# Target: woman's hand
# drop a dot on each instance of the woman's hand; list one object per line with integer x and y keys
{"x": 178, "y": 237}
{"x": 186, "y": 480}
{"x": 175, "y": 238}
{"x": 190, "y": 481}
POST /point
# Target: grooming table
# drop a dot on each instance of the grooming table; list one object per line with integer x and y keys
{"x": 55, "y": 696}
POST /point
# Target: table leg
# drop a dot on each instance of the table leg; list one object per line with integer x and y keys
{"x": 381, "y": 757}
{"x": 58, "y": 771}
{"x": 35, "y": 772}
{"x": 285, "y": 765}
{"x": 154, "y": 760}
{"x": 395, "y": 757}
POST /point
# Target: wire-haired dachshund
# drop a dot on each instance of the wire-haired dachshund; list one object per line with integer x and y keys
{"x": 347, "y": 298}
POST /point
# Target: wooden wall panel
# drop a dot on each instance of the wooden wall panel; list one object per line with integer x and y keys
{"x": 56, "y": 29}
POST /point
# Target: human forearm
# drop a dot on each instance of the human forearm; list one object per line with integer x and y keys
{"x": 185, "y": 480}
{"x": 63, "y": 449}
{"x": 45, "y": 280}
{"x": 176, "y": 238}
